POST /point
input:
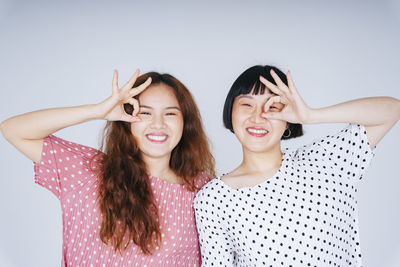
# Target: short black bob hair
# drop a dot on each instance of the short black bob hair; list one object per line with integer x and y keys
{"x": 245, "y": 83}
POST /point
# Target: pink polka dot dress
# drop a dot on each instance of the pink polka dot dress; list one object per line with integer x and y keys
{"x": 65, "y": 171}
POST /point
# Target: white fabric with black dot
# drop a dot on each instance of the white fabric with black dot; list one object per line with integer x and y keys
{"x": 304, "y": 215}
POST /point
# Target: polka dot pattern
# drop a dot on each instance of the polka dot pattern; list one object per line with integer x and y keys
{"x": 64, "y": 170}
{"x": 304, "y": 215}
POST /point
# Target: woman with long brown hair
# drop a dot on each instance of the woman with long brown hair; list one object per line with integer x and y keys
{"x": 129, "y": 203}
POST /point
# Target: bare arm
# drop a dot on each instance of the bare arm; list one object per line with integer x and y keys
{"x": 377, "y": 114}
{"x": 27, "y": 131}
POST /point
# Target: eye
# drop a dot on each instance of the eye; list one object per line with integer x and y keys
{"x": 145, "y": 113}
{"x": 276, "y": 107}
{"x": 246, "y": 105}
{"x": 170, "y": 114}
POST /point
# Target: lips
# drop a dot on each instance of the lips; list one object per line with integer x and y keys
{"x": 257, "y": 131}
{"x": 157, "y": 137}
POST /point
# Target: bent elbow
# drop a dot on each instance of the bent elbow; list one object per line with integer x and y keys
{"x": 5, "y": 130}
{"x": 392, "y": 106}
{"x": 396, "y": 108}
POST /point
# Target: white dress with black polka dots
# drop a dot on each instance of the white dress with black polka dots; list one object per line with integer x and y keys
{"x": 304, "y": 215}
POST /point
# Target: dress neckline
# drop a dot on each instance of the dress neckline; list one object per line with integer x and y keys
{"x": 159, "y": 180}
{"x": 256, "y": 186}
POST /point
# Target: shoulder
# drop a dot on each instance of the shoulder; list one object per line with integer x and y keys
{"x": 59, "y": 147}
{"x": 208, "y": 192}
{"x": 202, "y": 180}
{"x": 211, "y": 186}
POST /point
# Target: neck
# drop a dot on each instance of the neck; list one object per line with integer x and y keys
{"x": 262, "y": 162}
{"x": 158, "y": 167}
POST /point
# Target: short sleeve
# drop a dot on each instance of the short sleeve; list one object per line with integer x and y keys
{"x": 346, "y": 153}
{"x": 202, "y": 180}
{"x": 64, "y": 165}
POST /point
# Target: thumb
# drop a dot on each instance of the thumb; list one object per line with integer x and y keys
{"x": 273, "y": 115}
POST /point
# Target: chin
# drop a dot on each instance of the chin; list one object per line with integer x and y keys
{"x": 156, "y": 154}
{"x": 259, "y": 147}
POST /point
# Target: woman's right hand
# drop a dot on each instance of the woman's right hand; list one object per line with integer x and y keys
{"x": 112, "y": 109}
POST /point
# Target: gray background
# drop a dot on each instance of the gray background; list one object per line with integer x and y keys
{"x": 62, "y": 54}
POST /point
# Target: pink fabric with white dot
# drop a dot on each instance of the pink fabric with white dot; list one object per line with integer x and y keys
{"x": 64, "y": 170}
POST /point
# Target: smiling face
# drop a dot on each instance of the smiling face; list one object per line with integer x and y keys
{"x": 254, "y": 132}
{"x": 161, "y": 125}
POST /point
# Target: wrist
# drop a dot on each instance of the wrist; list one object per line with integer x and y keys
{"x": 312, "y": 116}
{"x": 94, "y": 111}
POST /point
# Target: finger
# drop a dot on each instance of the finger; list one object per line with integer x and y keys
{"x": 133, "y": 117}
{"x": 273, "y": 115}
{"x": 273, "y": 100}
{"x": 135, "y": 105}
{"x": 271, "y": 86}
{"x": 270, "y": 102}
{"x": 140, "y": 88}
{"x": 129, "y": 118}
{"x": 278, "y": 81}
{"x": 292, "y": 87}
{"x": 115, "y": 81}
{"x": 132, "y": 80}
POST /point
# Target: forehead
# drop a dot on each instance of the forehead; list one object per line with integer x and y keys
{"x": 257, "y": 97}
{"x": 158, "y": 95}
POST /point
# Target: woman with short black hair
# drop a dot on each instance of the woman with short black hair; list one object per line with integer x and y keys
{"x": 295, "y": 207}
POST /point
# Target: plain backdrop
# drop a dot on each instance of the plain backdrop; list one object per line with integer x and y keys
{"x": 59, "y": 53}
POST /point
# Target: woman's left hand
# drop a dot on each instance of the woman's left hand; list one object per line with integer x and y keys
{"x": 294, "y": 110}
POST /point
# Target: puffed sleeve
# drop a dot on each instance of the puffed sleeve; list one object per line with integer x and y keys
{"x": 64, "y": 165}
{"x": 215, "y": 246}
{"x": 346, "y": 154}
{"x": 202, "y": 180}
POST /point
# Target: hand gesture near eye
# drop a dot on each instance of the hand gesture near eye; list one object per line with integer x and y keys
{"x": 287, "y": 104}
{"x": 112, "y": 109}
{"x": 27, "y": 131}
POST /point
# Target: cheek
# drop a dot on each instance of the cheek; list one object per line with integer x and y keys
{"x": 278, "y": 126}
{"x": 237, "y": 117}
{"x": 137, "y": 128}
{"x": 179, "y": 127}
{"x": 176, "y": 126}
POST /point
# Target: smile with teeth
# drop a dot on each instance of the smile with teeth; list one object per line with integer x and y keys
{"x": 156, "y": 138}
{"x": 257, "y": 132}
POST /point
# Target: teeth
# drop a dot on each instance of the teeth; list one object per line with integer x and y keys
{"x": 157, "y": 137}
{"x": 257, "y": 131}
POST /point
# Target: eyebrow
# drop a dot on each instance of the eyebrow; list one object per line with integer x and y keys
{"x": 250, "y": 96}
{"x": 244, "y": 96}
{"x": 173, "y": 107}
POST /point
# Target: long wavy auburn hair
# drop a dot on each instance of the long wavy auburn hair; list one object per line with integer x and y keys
{"x": 129, "y": 210}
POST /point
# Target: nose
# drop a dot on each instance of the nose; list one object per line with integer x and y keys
{"x": 157, "y": 121}
{"x": 256, "y": 115}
